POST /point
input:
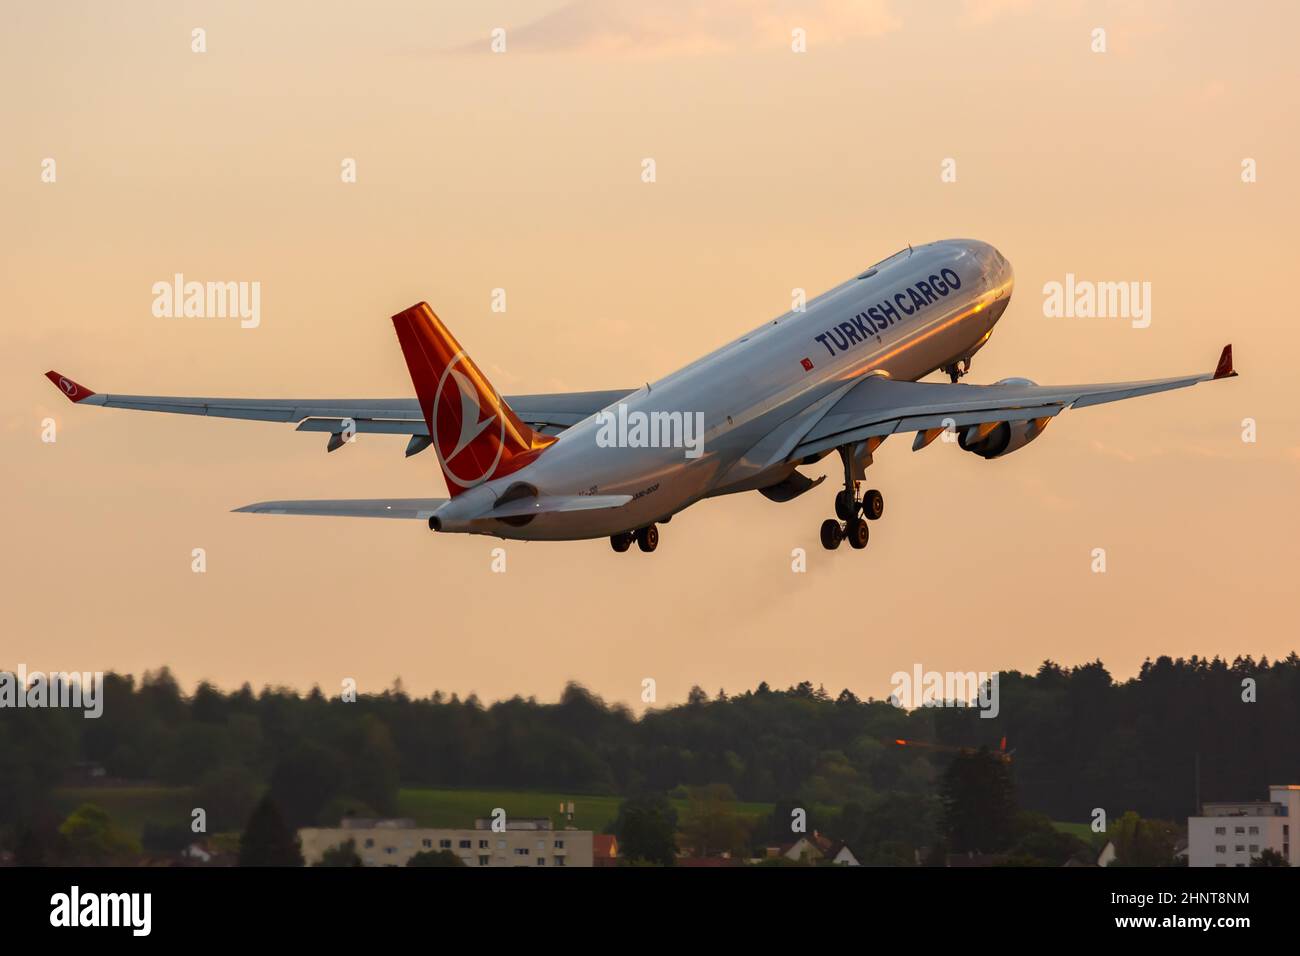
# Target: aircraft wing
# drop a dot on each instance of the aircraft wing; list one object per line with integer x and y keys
{"x": 551, "y": 413}
{"x": 877, "y": 406}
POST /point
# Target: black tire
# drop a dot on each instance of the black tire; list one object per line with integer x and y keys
{"x": 647, "y": 538}
{"x": 857, "y": 533}
{"x": 831, "y": 534}
{"x": 873, "y": 505}
{"x": 845, "y": 506}
{"x": 621, "y": 542}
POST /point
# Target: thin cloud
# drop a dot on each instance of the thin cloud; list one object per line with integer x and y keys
{"x": 1182, "y": 449}
{"x": 986, "y": 11}
{"x": 683, "y": 28}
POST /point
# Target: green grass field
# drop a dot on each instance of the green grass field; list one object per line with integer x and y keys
{"x": 131, "y": 807}
{"x": 459, "y": 808}
{"x": 1081, "y": 830}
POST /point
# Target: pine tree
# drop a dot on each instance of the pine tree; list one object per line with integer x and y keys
{"x": 267, "y": 840}
{"x": 979, "y": 804}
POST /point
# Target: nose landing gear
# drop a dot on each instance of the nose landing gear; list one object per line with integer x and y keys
{"x": 957, "y": 369}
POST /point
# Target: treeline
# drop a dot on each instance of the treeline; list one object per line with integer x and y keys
{"x": 1078, "y": 740}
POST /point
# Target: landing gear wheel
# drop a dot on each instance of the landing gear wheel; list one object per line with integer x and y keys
{"x": 846, "y": 506}
{"x": 621, "y": 542}
{"x": 858, "y": 533}
{"x": 832, "y": 534}
{"x": 647, "y": 538}
{"x": 873, "y": 505}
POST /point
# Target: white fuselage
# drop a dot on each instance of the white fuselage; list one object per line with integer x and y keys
{"x": 757, "y": 395}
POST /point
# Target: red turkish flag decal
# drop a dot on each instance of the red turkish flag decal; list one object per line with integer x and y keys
{"x": 807, "y": 364}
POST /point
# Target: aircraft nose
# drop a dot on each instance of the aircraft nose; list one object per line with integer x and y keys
{"x": 992, "y": 263}
{"x": 1006, "y": 275}
{"x": 996, "y": 265}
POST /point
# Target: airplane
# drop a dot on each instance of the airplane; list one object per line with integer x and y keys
{"x": 841, "y": 375}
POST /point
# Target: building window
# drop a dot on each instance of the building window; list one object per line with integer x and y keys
{"x": 1238, "y": 829}
{"x": 370, "y": 842}
{"x": 559, "y": 861}
{"x": 521, "y": 851}
{"x": 444, "y": 844}
{"x": 1220, "y": 849}
{"x": 1220, "y": 831}
{"x": 483, "y": 860}
{"x": 1240, "y": 848}
{"x": 501, "y": 844}
{"x": 1254, "y": 831}
{"x": 466, "y": 844}
{"x": 1254, "y": 848}
{"x": 559, "y": 844}
{"x": 427, "y": 843}
{"x": 390, "y": 850}
{"x": 482, "y": 844}
{"x": 541, "y": 844}
{"x": 541, "y": 861}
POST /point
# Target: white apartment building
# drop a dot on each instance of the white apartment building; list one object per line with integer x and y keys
{"x": 1233, "y": 834}
{"x": 525, "y": 841}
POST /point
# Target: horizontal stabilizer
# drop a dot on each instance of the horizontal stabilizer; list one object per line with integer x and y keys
{"x": 418, "y": 508}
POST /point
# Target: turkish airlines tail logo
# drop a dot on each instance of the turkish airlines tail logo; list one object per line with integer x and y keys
{"x": 475, "y": 434}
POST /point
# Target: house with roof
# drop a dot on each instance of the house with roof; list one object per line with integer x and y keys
{"x": 604, "y": 850}
{"x": 816, "y": 848}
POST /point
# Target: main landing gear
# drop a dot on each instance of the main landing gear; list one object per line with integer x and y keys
{"x": 854, "y": 513}
{"x": 647, "y": 539}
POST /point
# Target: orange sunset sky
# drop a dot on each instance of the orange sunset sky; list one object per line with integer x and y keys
{"x": 522, "y": 170}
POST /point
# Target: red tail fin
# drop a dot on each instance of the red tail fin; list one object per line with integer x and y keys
{"x": 475, "y": 434}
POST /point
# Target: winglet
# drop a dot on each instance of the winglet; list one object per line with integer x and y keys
{"x": 68, "y": 387}
{"x": 1224, "y": 368}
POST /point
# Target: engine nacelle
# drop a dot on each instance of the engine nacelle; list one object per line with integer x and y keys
{"x": 1007, "y": 436}
{"x": 1004, "y": 439}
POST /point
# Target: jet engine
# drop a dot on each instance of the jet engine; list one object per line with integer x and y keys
{"x": 1004, "y": 437}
